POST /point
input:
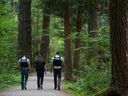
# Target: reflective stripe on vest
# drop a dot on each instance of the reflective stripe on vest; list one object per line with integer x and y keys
{"x": 57, "y": 67}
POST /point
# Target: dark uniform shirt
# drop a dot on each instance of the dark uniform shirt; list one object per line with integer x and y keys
{"x": 39, "y": 65}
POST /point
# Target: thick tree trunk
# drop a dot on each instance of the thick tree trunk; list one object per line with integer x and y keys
{"x": 24, "y": 36}
{"x": 119, "y": 48}
{"x": 45, "y": 37}
{"x": 93, "y": 27}
{"x": 67, "y": 44}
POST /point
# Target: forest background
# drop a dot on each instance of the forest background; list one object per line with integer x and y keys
{"x": 85, "y": 42}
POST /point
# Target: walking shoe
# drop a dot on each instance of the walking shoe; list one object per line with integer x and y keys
{"x": 58, "y": 87}
{"x": 25, "y": 87}
{"x": 38, "y": 88}
{"x": 41, "y": 87}
{"x": 55, "y": 87}
{"x": 22, "y": 88}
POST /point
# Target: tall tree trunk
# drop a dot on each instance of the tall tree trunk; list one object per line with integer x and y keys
{"x": 45, "y": 36}
{"x": 93, "y": 27}
{"x": 67, "y": 44}
{"x": 24, "y": 36}
{"x": 76, "y": 60}
{"x": 119, "y": 48}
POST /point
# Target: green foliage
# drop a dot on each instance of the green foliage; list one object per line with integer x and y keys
{"x": 37, "y": 16}
{"x": 104, "y": 41}
{"x": 56, "y": 35}
{"x": 56, "y": 7}
{"x": 49, "y": 6}
{"x": 91, "y": 83}
{"x": 8, "y": 37}
{"x": 9, "y": 79}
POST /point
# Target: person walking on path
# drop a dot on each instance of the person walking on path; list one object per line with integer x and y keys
{"x": 39, "y": 65}
{"x": 57, "y": 61}
{"x": 24, "y": 66}
{"x": 47, "y": 90}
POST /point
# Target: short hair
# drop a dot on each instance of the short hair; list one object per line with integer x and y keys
{"x": 58, "y": 53}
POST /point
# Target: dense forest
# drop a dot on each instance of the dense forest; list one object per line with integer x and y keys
{"x": 91, "y": 35}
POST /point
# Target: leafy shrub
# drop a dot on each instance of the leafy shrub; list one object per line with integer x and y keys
{"x": 8, "y": 79}
{"x": 91, "y": 82}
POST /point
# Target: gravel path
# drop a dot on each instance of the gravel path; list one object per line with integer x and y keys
{"x": 48, "y": 88}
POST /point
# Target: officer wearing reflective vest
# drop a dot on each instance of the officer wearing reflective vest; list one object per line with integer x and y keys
{"x": 57, "y": 62}
{"x": 24, "y": 66}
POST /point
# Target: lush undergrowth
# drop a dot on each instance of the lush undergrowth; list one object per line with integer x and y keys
{"x": 8, "y": 79}
{"x": 91, "y": 83}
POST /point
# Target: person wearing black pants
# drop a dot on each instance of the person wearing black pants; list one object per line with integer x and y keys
{"x": 57, "y": 67}
{"x": 57, "y": 78}
{"x": 40, "y": 78}
{"x": 39, "y": 64}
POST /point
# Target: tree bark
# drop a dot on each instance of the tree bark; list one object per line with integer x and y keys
{"x": 67, "y": 44}
{"x": 24, "y": 36}
{"x": 119, "y": 48}
{"x": 45, "y": 37}
{"x": 76, "y": 60}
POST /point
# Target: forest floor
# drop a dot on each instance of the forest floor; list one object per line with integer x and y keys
{"x": 48, "y": 88}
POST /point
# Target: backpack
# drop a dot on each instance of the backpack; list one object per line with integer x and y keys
{"x": 23, "y": 60}
{"x": 57, "y": 61}
{"x": 24, "y": 63}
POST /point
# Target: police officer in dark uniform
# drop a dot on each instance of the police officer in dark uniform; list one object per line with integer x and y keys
{"x": 39, "y": 65}
{"x": 57, "y": 68}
